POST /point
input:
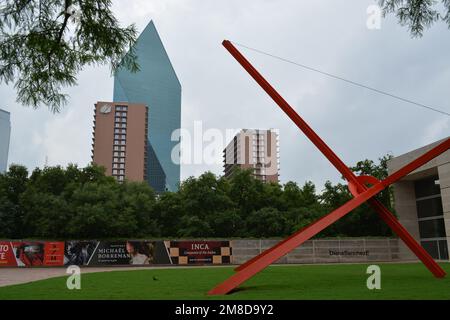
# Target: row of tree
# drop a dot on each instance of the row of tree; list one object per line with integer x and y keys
{"x": 64, "y": 203}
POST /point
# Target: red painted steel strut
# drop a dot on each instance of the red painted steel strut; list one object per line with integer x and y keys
{"x": 356, "y": 184}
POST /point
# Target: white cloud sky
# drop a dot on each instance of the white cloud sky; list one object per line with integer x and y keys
{"x": 328, "y": 35}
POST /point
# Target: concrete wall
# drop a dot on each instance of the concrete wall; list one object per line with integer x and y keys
{"x": 318, "y": 251}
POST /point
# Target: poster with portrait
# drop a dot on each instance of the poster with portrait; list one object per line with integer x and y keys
{"x": 110, "y": 253}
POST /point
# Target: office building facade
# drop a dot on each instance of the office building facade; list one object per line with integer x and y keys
{"x": 157, "y": 86}
{"x": 5, "y": 132}
{"x": 256, "y": 150}
{"x": 119, "y": 140}
{"x": 422, "y": 202}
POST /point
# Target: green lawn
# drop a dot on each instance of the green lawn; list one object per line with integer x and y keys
{"x": 398, "y": 281}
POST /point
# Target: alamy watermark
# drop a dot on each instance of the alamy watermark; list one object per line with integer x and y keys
{"x": 213, "y": 146}
{"x": 374, "y": 16}
{"x": 74, "y": 280}
{"x": 374, "y": 280}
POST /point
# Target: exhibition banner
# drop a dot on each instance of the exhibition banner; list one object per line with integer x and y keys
{"x": 112, "y": 253}
{"x": 200, "y": 252}
{"x": 101, "y": 253}
{"x": 31, "y": 253}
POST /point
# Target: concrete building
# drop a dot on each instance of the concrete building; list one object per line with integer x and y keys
{"x": 422, "y": 202}
{"x": 257, "y": 150}
{"x": 120, "y": 139}
{"x": 157, "y": 86}
{"x": 5, "y": 132}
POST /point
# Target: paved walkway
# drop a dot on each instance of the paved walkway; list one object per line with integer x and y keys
{"x": 10, "y": 276}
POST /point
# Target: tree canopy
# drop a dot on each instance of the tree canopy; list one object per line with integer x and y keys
{"x": 84, "y": 203}
{"x": 45, "y": 43}
{"x": 417, "y": 15}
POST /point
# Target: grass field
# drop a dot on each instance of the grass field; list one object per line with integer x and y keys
{"x": 398, "y": 281}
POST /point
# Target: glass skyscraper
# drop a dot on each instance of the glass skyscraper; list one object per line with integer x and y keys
{"x": 5, "y": 131}
{"x": 157, "y": 86}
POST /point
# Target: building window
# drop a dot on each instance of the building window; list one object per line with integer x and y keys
{"x": 427, "y": 187}
{"x": 430, "y": 214}
{"x": 430, "y": 207}
{"x": 433, "y": 228}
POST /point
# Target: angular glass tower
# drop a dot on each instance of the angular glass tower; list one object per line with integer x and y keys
{"x": 157, "y": 86}
{"x": 5, "y": 131}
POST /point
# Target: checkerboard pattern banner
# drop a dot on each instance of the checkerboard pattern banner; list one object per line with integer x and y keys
{"x": 200, "y": 252}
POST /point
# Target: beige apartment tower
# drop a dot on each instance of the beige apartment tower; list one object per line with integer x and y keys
{"x": 120, "y": 139}
{"x": 257, "y": 150}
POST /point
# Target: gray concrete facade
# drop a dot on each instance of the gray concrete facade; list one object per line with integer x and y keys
{"x": 335, "y": 250}
{"x": 406, "y": 200}
{"x": 5, "y": 132}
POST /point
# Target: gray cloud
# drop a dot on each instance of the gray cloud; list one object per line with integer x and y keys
{"x": 329, "y": 35}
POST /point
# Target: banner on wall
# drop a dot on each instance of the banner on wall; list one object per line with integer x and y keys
{"x": 200, "y": 252}
{"x": 110, "y": 253}
{"x": 100, "y": 253}
{"x": 31, "y": 254}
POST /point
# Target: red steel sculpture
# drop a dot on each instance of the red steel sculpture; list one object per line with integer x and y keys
{"x": 358, "y": 186}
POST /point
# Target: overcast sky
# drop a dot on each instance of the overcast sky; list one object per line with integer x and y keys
{"x": 328, "y": 35}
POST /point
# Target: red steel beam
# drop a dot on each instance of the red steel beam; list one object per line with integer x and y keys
{"x": 388, "y": 217}
{"x": 307, "y": 130}
{"x": 297, "y": 239}
{"x": 287, "y": 246}
{"x": 385, "y": 214}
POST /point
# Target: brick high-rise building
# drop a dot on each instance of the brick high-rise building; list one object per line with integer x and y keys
{"x": 120, "y": 139}
{"x": 256, "y": 150}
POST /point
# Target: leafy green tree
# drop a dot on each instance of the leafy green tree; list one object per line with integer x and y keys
{"x": 194, "y": 226}
{"x": 96, "y": 213}
{"x": 138, "y": 200}
{"x": 418, "y": 14}
{"x": 45, "y": 43}
{"x": 245, "y": 191}
{"x": 169, "y": 209}
{"x": 227, "y": 224}
{"x": 12, "y": 185}
{"x": 46, "y": 215}
{"x": 267, "y": 222}
{"x": 205, "y": 195}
